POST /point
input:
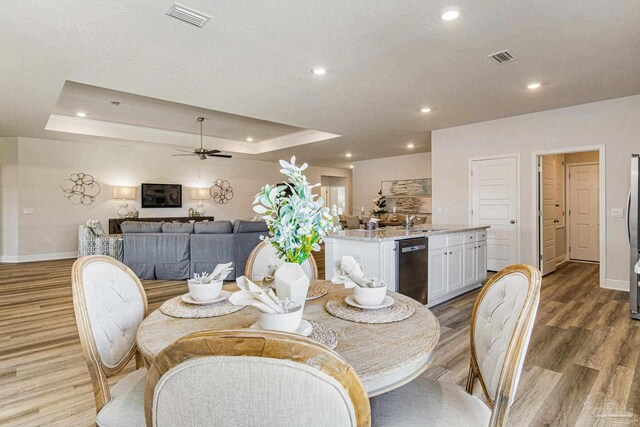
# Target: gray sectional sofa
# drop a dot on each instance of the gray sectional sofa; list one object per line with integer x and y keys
{"x": 176, "y": 251}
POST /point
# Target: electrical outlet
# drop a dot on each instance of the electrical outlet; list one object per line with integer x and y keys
{"x": 617, "y": 213}
{"x": 27, "y": 211}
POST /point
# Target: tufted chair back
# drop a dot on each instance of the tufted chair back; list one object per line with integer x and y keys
{"x": 501, "y": 325}
{"x": 264, "y": 255}
{"x": 245, "y": 377}
{"x": 109, "y": 303}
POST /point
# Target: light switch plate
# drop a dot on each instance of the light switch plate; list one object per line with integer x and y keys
{"x": 617, "y": 213}
{"x": 27, "y": 211}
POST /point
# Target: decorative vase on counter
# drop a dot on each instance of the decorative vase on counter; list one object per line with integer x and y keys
{"x": 292, "y": 282}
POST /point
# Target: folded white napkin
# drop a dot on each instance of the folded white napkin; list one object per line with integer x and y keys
{"x": 254, "y": 295}
{"x": 221, "y": 271}
{"x": 349, "y": 273}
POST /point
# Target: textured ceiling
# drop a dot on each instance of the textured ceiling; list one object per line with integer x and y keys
{"x": 385, "y": 60}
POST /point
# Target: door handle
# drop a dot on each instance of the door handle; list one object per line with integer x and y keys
{"x": 513, "y": 221}
{"x": 628, "y": 218}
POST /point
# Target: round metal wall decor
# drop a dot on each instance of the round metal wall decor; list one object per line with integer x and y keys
{"x": 221, "y": 191}
{"x": 80, "y": 188}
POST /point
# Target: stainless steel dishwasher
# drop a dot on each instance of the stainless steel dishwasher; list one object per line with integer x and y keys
{"x": 412, "y": 268}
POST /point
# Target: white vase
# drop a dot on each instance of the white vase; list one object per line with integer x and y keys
{"x": 292, "y": 282}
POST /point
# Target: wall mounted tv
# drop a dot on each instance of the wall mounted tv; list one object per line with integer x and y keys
{"x": 161, "y": 195}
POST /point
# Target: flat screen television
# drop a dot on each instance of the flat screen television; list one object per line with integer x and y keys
{"x": 161, "y": 195}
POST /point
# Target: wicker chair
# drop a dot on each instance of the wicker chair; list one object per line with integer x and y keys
{"x": 92, "y": 240}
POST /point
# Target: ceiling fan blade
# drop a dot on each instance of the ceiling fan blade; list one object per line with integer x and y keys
{"x": 178, "y": 155}
{"x": 226, "y": 156}
{"x": 186, "y": 151}
{"x": 213, "y": 151}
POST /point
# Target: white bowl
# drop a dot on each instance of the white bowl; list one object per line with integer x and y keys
{"x": 205, "y": 291}
{"x": 369, "y": 296}
{"x": 285, "y": 322}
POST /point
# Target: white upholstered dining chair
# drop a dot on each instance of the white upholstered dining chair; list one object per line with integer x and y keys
{"x": 264, "y": 255}
{"x": 253, "y": 378}
{"x": 110, "y": 303}
{"x": 501, "y": 325}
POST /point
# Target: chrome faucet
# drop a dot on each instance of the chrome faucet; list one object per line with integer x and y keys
{"x": 408, "y": 222}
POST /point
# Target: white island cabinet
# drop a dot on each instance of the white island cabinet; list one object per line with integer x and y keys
{"x": 457, "y": 256}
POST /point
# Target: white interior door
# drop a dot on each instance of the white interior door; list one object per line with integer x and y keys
{"x": 494, "y": 202}
{"x": 583, "y": 191}
{"x": 547, "y": 169}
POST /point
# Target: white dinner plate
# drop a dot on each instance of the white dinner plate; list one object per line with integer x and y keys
{"x": 304, "y": 329}
{"x": 387, "y": 302}
{"x": 224, "y": 295}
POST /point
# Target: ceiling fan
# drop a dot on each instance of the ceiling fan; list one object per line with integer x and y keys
{"x": 201, "y": 152}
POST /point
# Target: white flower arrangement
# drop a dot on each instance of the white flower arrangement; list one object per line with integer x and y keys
{"x": 296, "y": 218}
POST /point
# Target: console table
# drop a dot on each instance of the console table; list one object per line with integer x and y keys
{"x": 114, "y": 223}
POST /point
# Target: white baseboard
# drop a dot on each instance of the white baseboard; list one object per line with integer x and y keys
{"x": 561, "y": 259}
{"x": 618, "y": 285}
{"x": 37, "y": 257}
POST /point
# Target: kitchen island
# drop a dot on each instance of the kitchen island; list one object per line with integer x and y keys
{"x": 429, "y": 263}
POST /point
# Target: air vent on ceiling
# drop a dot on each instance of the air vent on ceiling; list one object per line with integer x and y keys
{"x": 188, "y": 15}
{"x": 501, "y": 57}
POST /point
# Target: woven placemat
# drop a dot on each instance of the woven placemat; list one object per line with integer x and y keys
{"x": 175, "y": 307}
{"x": 400, "y": 310}
{"x": 317, "y": 290}
{"x": 323, "y": 335}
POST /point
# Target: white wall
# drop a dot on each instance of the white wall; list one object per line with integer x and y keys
{"x": 368, "y": 174}
{"x": 613, "y": 123}
{"x": 42, "y": 165}
{"x": 9, "y": 197}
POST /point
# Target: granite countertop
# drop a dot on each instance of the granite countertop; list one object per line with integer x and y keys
{"x": 399, "y": 233}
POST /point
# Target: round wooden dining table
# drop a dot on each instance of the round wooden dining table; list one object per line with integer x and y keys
{"x": 385, "y": 356}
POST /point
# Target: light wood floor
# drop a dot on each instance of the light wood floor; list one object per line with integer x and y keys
{"x": 583, "y": 343}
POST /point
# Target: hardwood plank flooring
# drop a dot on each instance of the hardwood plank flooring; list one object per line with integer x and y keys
{"x": 584, "y": 344}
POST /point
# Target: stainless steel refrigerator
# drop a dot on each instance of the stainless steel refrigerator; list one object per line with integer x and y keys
{"x": 633, "y": 228}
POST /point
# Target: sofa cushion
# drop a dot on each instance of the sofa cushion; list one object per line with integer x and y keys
{"x": 96, "y": 226}
{"x": 209, "y": 250}
{"x": 177, "y": 227}
{"x": 141, "y": 227}
{"x": 213, "y": 227}
{"x": 163, "y": 256}
{"x": 243, "y": 245}
{"x": 241, "y": 226}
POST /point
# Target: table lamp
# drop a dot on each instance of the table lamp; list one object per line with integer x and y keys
{"x": 200, "y": 194}
{"x": 124, "y": 193}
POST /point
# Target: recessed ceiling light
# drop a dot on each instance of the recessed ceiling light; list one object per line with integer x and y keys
{"x": 534, "y": 85}
{"x": 249, "y": 139}
{"x": 350, "y": 166}
{"x": 410, "y": 145}
{"x": 450, "y": 13}
{"x": 425, "y": 110}
{"x": 348, "y": 155}
{"x": 81, "y": 114}
{"x": 319, "y": 71}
